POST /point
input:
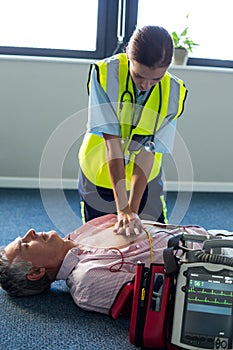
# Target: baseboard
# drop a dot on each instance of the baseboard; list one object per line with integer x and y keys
{"x": 28, "y": 182}
{"x": 198, "y": 186}
{"x": 32, "y": 182}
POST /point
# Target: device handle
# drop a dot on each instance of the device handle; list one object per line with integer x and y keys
{"x": 194, "y": 238}
{"x": 217, "y": 243}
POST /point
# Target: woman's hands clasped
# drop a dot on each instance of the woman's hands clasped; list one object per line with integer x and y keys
{"x": 128, "y": 224}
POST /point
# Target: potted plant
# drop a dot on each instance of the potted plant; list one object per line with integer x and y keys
{"x": 182, "y": 46}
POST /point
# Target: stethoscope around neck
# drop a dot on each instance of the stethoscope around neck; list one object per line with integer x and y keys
{"x": 126, "y": 92}
{"x": 147, "y": 141}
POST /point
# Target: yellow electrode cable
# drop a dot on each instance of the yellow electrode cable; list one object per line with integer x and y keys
{"x": 150, "y": 244}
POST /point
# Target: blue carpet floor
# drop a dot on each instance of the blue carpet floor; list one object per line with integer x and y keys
{"x": 52, "y": 321}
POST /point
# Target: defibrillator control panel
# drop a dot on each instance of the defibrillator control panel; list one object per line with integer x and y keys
{"x": 203, "y": 314}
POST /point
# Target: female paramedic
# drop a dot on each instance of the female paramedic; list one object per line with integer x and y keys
{"x": 133, "y": 106}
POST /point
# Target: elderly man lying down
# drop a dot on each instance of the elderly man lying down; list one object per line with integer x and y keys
{"x": 93, "y": 260}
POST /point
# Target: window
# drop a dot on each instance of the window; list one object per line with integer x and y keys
{"x": 61, "y": 28}
{"x": 93, "y": 28}
{"x": 209, "y": 22}
{"x": 50, "y": 24}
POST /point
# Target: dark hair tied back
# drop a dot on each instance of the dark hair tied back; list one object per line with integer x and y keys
{"x": 151, "y": 46}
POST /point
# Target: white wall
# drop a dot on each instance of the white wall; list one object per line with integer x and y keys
{"x": 45, "y": 100}
{"x": 207, "y": 128}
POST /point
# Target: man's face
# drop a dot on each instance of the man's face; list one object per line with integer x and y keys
{"x": 145, "y": 77}
{"x": 43, "y": 249}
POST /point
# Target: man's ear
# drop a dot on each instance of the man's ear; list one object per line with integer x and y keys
{"x": 36, "y": 273}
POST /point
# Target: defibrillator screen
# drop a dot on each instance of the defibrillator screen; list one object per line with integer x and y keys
{"x": 207, "y": 316}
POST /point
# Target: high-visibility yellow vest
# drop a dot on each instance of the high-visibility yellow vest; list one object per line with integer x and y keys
{"x": 165, "y": 99}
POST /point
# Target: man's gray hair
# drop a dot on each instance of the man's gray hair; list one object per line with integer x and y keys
{"x": 13, "y": 278}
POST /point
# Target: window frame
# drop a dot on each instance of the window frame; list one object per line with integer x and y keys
{"x": 209, "y": 62}
{"x": 105, "y": 20}
{"x": 107, "y": 42}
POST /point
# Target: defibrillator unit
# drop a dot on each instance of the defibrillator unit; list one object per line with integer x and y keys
{"x": 203, "y": 310}
{"x": 203, "y": 316}
{"x": 188, "y": 302}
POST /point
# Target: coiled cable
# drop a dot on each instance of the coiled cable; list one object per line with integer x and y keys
{"x": 214, "y": 258}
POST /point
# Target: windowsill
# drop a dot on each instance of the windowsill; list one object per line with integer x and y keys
{"x": 88, "y": 61}
{"x": 45, "y": 59}
{"x": 202, "y": 68}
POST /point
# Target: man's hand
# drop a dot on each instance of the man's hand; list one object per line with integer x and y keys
{"x": 127, "y": 224}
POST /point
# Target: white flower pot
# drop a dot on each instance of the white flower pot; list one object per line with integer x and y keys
{"x": 180, "y": 57}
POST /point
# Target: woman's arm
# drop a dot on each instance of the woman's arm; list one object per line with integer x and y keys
{"x": 142, "y": 168}
{"x": 127, "y": 209}
{"x": 117, "y": 171}
{"x": 127, "y": 222}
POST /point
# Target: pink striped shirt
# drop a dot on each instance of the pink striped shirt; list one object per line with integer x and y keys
{"x": 95, "y": 275}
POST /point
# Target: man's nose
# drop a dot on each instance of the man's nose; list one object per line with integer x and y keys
{"x": 30, "y": 233}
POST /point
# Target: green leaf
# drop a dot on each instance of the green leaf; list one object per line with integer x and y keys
{"x": 183, "y": 41}
{"x": 175, "y": 38}
{"x": 184, "y": 33}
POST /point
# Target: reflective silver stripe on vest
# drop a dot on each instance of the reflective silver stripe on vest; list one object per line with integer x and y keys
{"x": 174, "y": 97}
{"x": 112, "y": 87}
